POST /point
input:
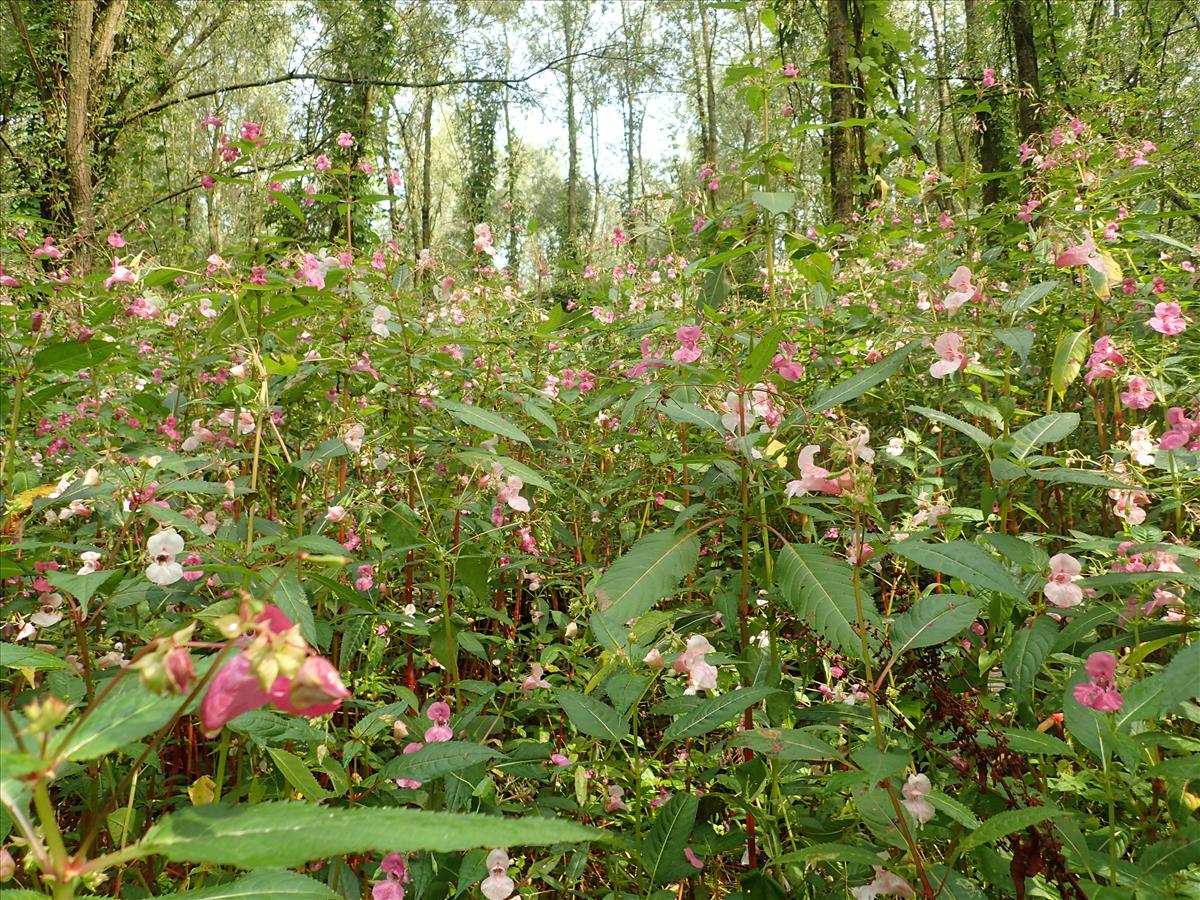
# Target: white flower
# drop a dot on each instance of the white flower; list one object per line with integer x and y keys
{"x": 163, "y": 547}
{"x": 91, "y": 562}
{"x": 895, "y": 447}
{"x": 914, "y": 801}
{"x": 353, "y": 437}
{"x": 497, "y": 886}
{"x": 379, "y": 320}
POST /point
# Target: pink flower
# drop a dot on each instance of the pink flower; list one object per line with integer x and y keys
{"x": 387, "y": 890}
{"x": 689, "y": 337}
{"x": 1103, "y": 361}
{"x": 989, "y": 77}
{"x": 393, "y": 865}
{"x": 345, "y": 139}
{"x": 789, "y": 71}
{"x": 1061, "y": 589}
{"x": 207, "y": 182}
{"x": 120, "y": 275}
{"x": 949, "y": 348}
{"x": 1098, "y": 692}
{"x": 251, "y": 131}
{"x": 116, "y": 241}
{"x": 961, "y": 289}
{"x": 483, "y": 239}
{"x": 323, "y": 164}
{"x": 509, "y": 492}
{"x": 534, "y": 679}
{"x": 314, "y": 689}
{"x": 884, "y": 884}
{"x": 1139, "y": 395}
{"x": 914, "y": 801}
{"x": 812, "y": 477}
{"x": 312, "y": 270}
{"x": 560, "y": 759}
{"x": 614, "y": 802}
{"x": 1168, "y": 319}
{"x": 1182, "y": 430}
{"x": 211, "y": 121}
{"x": 701, "y": 675}
{"x": 693, "y": 860}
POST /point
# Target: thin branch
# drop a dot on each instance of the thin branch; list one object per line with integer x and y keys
{"x": 334, "y": 79}
{"x": 14, "y": 7}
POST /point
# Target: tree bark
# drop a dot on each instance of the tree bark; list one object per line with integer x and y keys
{"x": 79, "y": 145}
{"x": 427, "y": 172}
{"x": 985, "y": 121}
{"x": 841, "y": 160}
{"x": 568, "y": 10}
{"x": 710, "y": 91}
{"x": 1029, "y": 98}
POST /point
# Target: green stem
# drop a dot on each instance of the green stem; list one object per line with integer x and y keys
{"x": 54, "y": 840}
{"x": 222, "y": 753}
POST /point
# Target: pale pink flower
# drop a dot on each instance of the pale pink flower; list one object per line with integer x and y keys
{"x": 949, "y": 347}
{"x": 116, "y": 241}
{"x": 120, "y": 275}
{"x": 335, "y": 514}
{"x": 497, "y": 885}
{"x": 322, "y": 163}
{"x": 353, "y": 436}
{"x": 1061, "y": 589}
{"x": 961, "y": 289}
{"x": 701, "y": 675}
{"x": 885, "y": 884}
{"x": 508, "y": 492}
{"x": 1084, "y": 254}
{"x": 483, "y": 239}
{"x": 534, "y": 679}
{"x": 914, "y": 801}
{"x": 812, "y": 477}
{"x": 345, "y": 139}
{"x": 615, "y": 803}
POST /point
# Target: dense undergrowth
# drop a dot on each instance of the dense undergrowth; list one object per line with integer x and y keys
{"x": 762, "y": 563}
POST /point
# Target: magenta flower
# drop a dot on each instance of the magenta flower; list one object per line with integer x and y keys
{"x": 322, "y": 163}
{"x": 314, "y": 688}
{"x": 1061, "y": 589}
{"x": 989, "y": 77}
{"x": 1098, "y": 692}
{"x": 1103, "y": 361}
{"x": 1168, "y": 319}
{"x": 251, "y": 131}
{"x": 1084, "y": 254}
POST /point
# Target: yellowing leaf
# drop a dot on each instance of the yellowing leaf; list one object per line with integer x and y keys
{"x": 203, "y": 791}
{"x": 774, "y": 449}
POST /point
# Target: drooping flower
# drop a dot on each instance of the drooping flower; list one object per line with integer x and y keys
{"x": 251, "y": 131}
{"x": 914, "y": 791}
{"x": 1061, "y": 589}
{"x": 949, "y": 347}
{"x": 1082, "y": 254}
{"x": 1104, "y": 360}
{"x": 614, "y": 802}
{"x": 163, "y": 547}
{"x": 1098, "y": 692}
{"x": 120, "y": 275}
{"x": 534, "y": 679}
{"x": 379, "y": 320}
{"x": 693, "y": 860}
{"x": 508, "y": 490}
{"x": 353, "y": 436}
{"x": 497, "y": 885}
{"x": 322, "y": 163}
{"x": 440, "y": 732}
{"x": 277, "y": 668}
{"x": 1182, "y": 431}
{"x": 989, "y": 77}
{"x": 483, "y": 239}
{"x": 812, "y": 477}
{"x": 701, "y": 675}
{"x": 961, "y": 289}
{"x": 345, "y": 139}
{"x": 885, "y": 884}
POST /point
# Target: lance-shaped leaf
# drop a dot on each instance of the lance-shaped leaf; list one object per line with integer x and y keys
{"x": 714, "y": 712}
{"x": 650, "y": 571}
{"x": 662, "y": 854}
{"x": 820, "y": 589}
{"x": 932, "y": 620}
{"x": 961, "y": 559}
{"x": 858, "y": 384}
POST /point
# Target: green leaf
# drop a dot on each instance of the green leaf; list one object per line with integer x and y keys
{"x": 128, "y": 714}
{"x": 1006, "y": 823}
{"x": 760, "y": 357}
{"x": 820, "y": 589}
{"x": 650, "y": 571}
{"x": 1024, "y": 657}
{"x": 591, "y": 716}
{"x": 288, "y": 594}
{"x": 1029, "y": 296}
{"x": 956, "y": 810}
{"x": 786, "y": 744}
{"x": 288, "y": 203}
{"x": 1045, "y": 430}
{"x": 1153, "y": 696}
{"x": 689, "y": 414}
{"x": 662, "y": 854}
{"x": 264, "y": 885}
{"x": 979, "y": 436}
{"x": 15, "y": 656}
{"x": 714, "y": 712}
{"x": 1035, "y": 742}
{"x": 1068, "y": 360}
{"x": 485, "y": 419}
{"x": 435, "y": 760}
{"x": 287, "y": 834}
{"x": 71, "y": 356}
{"x": 82, "y": 587}
{"x": 819, "y": 853}
{"x": 298, "y": 775}
{"x": 961, "y": 559}
{"x": 774, "y": 202}
{"x": 858, "y": 384}
{"x": 932, "y": 620}
{"x": 1019, "y": 340}
{"x": 1077, "y": 476}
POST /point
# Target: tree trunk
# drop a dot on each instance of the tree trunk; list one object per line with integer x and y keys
{"x": 572, "y": 131}
{"x": 1028, "y": 115}
{"x": 985, "y": 121}
{"x": 710, "y": 91}
{"x": 841, "y": 160}
{"x": 427, "y": 172}
{"x": 79, "y": 145}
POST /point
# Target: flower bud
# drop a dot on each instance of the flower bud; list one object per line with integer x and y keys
{"x": 45, "y": 714}
{"x": 317, "y": 683}
{"x": 178, "y": 670}
{"x": 8, "y": 866}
